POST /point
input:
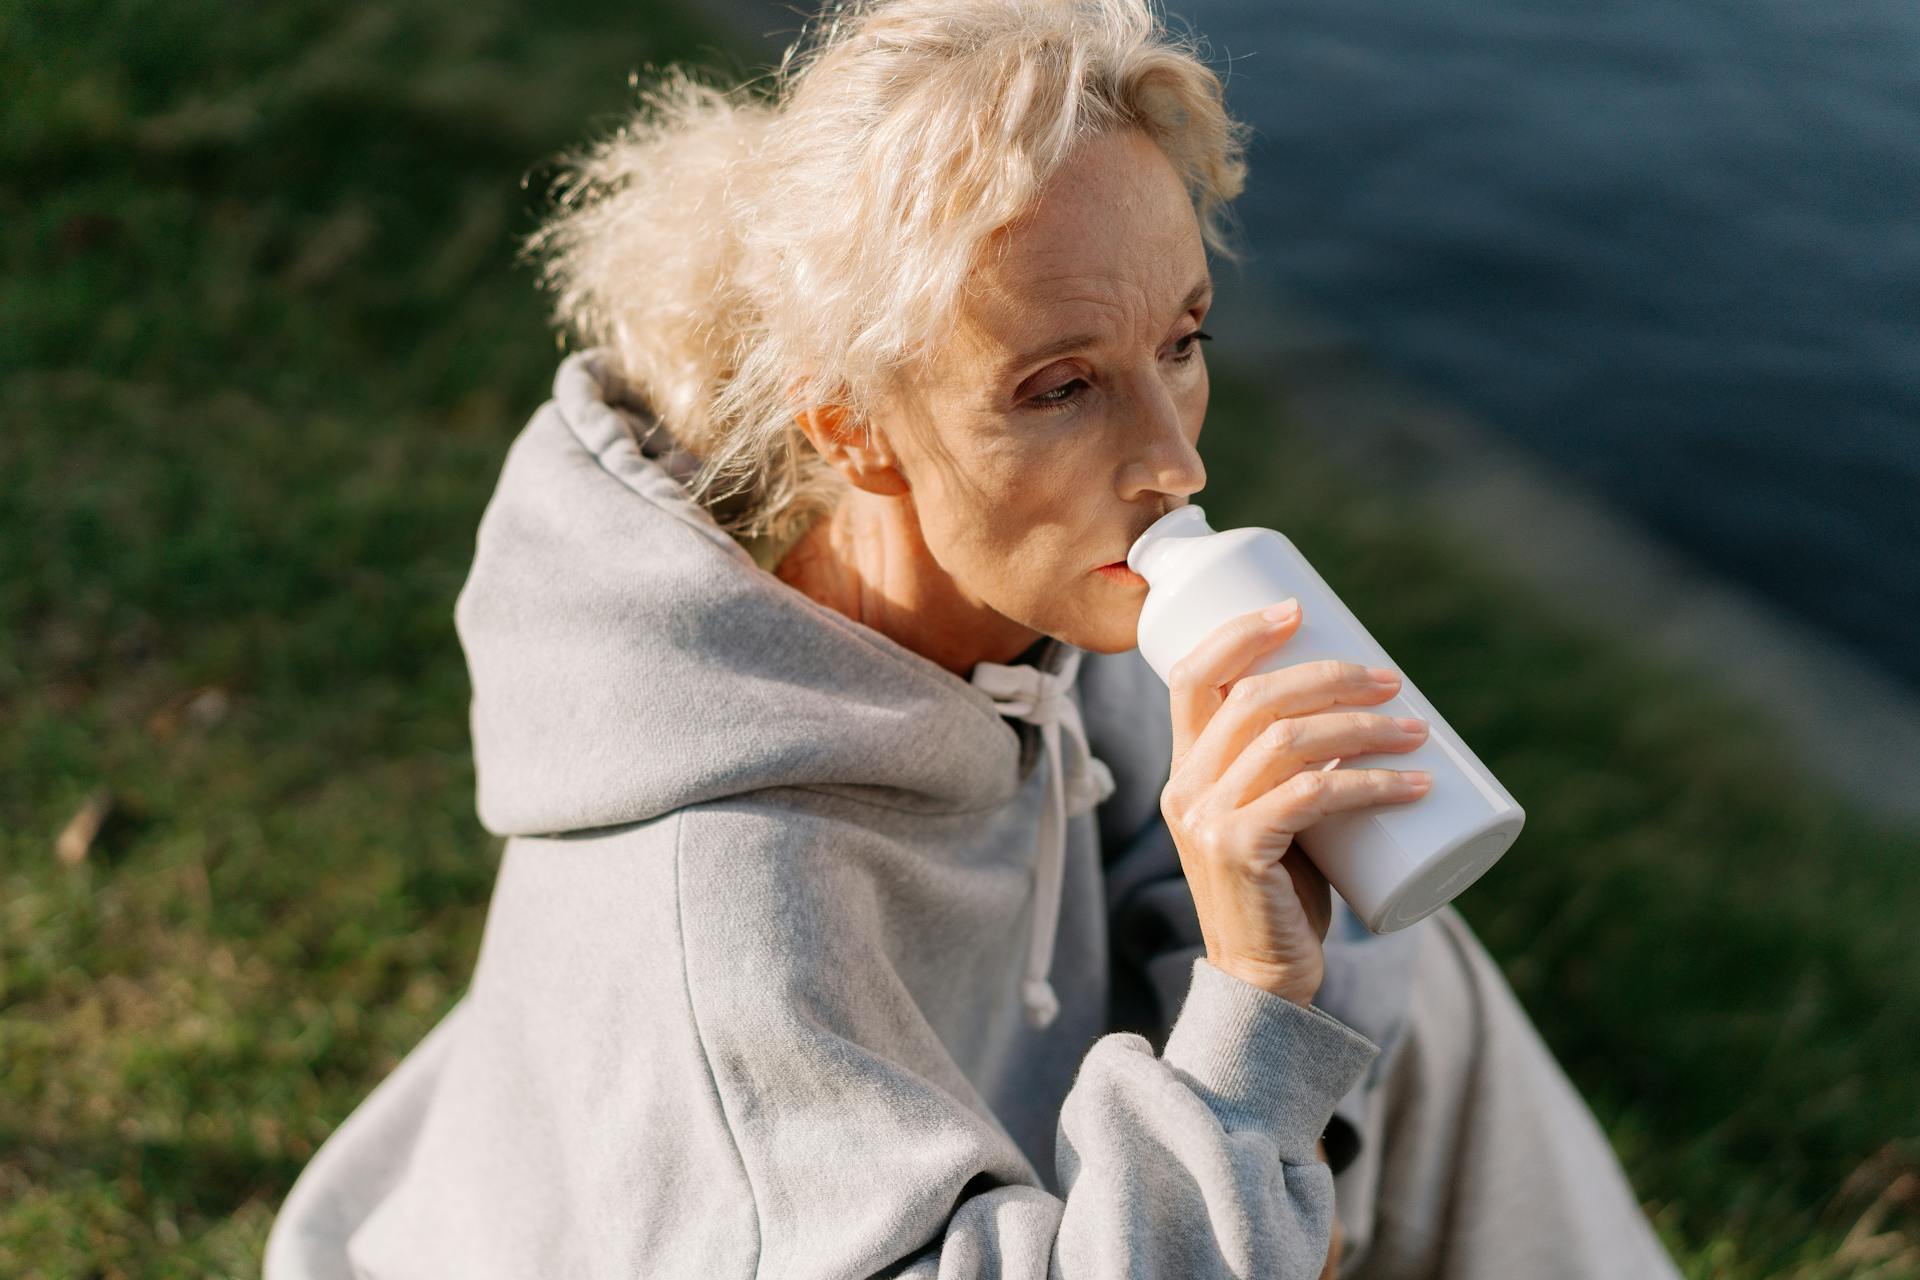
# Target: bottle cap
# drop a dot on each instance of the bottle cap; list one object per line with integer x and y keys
{"x": 1187, "y": 521}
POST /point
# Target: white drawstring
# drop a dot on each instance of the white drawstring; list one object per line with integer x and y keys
{"x": 1076, "y": 782}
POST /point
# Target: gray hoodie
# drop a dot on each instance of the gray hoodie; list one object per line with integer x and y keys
{"x": 808, "y": 957}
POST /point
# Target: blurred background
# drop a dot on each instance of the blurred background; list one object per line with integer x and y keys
{"x": 1575, "y": 345}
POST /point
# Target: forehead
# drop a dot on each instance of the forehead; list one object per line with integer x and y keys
{"x": 1112, "y": 245}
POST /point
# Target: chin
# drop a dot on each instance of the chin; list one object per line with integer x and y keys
{"x": 1118, "y": 646}
{"x": 1115, "y": 629}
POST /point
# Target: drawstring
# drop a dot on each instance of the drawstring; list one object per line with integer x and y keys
{"x": 1076, "y": 782}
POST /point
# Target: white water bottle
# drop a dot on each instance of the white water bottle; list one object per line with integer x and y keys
{"x": 1395, "y": 862}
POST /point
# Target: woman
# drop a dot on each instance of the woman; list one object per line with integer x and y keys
{"x": 868, "y": 907}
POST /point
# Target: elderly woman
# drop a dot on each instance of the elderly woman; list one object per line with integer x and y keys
{"x": 868, "y": 906}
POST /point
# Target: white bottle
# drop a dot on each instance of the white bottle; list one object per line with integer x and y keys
{"x": 1395, "y": 862}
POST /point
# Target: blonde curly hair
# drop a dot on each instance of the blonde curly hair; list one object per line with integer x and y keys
{"x": 742, "y": 253}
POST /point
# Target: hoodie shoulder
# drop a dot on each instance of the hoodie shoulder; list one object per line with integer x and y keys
{"x": 628, "y": 656}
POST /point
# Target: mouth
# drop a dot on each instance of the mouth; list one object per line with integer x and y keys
{"x": 1117, "y": 571}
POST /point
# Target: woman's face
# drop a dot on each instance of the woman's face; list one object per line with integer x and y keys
{"x": 1062, "y": 419}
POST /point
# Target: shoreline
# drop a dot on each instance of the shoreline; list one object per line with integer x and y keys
{"x": 1840, "y": 715}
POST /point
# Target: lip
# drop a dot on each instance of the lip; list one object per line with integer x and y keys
{"x": 1121, "y": 563}
{"x": 1117, "y": 569}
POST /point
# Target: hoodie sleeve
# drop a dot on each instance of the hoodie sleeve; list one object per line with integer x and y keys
{"x": 867, "y": 1150}
{"x": 1152, "y": 926}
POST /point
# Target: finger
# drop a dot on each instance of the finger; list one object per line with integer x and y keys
{"x": 1258, "y": 700}
{"x": 1196, "y": 684}
{"x": 1289, "y": 744}
{"x": 1307, "y": 797}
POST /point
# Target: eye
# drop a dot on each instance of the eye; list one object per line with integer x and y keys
{"x": 1063, "y": 394}
{"x": 1069, "y": 391}
{"x": 1190, "y": 344}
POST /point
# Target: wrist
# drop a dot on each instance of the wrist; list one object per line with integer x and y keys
{"x": 1285, "y": 982}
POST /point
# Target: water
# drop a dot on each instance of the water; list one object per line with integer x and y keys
{"x": 1673, "y": 247}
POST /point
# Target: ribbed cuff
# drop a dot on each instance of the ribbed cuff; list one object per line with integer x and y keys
{"x": 1263, "y": 1062}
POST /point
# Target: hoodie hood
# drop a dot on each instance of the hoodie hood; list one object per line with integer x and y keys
{"x": 624, "y": 650}
{"x": 628, "y": 657}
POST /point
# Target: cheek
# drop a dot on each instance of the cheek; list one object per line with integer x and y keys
{"x": 973, "y": 513}
{"x": 1194, "y": 400}
{"x": 1005, "y": 518}
{"x": 995, "y": 491}
{"x": 1051, "y": 487}
{"x": 1008, "y": 531}
{"x": 1010, "y": 517}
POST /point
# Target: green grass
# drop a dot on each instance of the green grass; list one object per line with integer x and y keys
{"x": 261, "y": 350}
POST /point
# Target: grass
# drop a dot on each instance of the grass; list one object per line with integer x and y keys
{"x": 1715, "y": 944}
{"x": 261, "y": 350}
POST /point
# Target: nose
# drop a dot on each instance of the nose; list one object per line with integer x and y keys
{"x": 1161, "y": 458}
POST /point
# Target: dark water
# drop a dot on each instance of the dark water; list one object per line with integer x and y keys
{"x": 1672, "y": 246}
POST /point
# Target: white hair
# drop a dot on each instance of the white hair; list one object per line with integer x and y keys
{"x": 746, "y": 252}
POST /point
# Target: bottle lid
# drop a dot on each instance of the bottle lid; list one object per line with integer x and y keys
{"x": 1187, "y": 521}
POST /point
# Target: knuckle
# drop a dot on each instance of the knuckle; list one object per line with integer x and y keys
{"x": 1330, "y": 670}
{"x": 1310, "y": 786}
{"x": 1300, "y": 801}
{"x": 1206, "y": 832}
{"x": 1281, "y": 735}
{"x": 1173, "y": 798}
{"x": 1244, "y": 690}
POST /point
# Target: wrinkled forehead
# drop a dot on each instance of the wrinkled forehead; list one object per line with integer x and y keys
{"x": 1113, "y": 243}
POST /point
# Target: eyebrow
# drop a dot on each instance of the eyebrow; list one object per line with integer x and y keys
{"x": 1075, "y": 341}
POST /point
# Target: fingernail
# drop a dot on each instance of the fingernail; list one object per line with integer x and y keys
{"x": 1282, "y": 611}
{"x": 1418, "y": 778}
{"x": 1409, "y": 724}
{"x": 1383, "y": 676}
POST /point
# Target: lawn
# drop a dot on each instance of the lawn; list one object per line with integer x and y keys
{"x": 262, "y": 347}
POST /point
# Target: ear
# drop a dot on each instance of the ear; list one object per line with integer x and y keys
{"x": 853, "y": 448}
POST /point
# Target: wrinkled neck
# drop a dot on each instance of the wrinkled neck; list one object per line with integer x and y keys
{"x": 866, "y": 560}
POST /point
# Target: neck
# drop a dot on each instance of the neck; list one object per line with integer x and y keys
{"x": 867, "y": 560}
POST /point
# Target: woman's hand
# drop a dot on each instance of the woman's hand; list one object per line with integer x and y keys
{"x": 1245, "y": 779}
